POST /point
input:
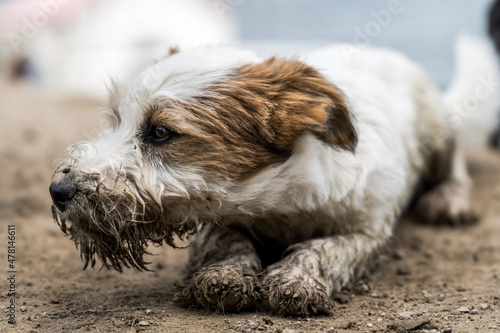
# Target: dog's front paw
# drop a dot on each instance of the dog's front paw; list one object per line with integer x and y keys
{"x": 446, "y": 204}
{"x": 220, "y": 288}
{"x": 295, "y": 292}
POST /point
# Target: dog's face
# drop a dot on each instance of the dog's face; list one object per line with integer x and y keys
{"x": 183, "y": 138}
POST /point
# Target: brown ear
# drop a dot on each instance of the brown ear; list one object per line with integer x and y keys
{"x": 304, "y": 101}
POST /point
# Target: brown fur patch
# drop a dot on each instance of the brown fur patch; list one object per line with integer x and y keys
{"x": 173, "y": 50}
{"x": 298, "y": 99}
{"x": 253, "y": 118}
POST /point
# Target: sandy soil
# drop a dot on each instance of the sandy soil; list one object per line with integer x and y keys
{"x": 428, "y": 275}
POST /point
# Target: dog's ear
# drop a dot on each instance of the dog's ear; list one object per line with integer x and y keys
{"x": 304, "y": 101}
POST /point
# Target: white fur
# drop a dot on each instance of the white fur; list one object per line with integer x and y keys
{"x": 185, "y": 75}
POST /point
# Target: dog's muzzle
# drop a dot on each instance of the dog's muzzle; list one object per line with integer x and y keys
{"x": 61, "y": 194}
{"x": 113, "y": 223}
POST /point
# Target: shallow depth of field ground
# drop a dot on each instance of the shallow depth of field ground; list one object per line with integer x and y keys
{"x": 428, "y": 274}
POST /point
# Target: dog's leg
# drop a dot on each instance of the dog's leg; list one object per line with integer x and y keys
{"x": 222, "y": 271}
{"x": 302, "y": 283}
{"x": 447, "y": 200}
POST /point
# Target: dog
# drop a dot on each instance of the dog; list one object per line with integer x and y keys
{"x": 287, "y": 174}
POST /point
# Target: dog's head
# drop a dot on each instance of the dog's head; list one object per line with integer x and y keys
{"x": 200, "y": 135}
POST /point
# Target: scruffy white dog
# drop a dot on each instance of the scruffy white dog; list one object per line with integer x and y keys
{"x": 291, "y": 174}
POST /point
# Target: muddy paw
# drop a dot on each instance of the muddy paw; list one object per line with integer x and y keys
{"x": 446, "y": 204}
{"x": 220, "y": 288}
{"x": 289, "y": 292}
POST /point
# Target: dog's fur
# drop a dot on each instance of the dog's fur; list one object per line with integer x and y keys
{"x": 290, "y": 173}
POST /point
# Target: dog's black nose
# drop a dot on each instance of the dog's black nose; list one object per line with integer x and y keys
{"x": 61, "y": 194}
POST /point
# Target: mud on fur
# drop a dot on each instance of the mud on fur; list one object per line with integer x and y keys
{"x": 112, "y": 226}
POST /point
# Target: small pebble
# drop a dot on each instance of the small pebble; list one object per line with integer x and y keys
{"x": 484, "y": 306}
{"x": 463, "y": 309}
{"x": 267, "y": 320}
{"x": 474, "y": 311}
{"x": 369, "y": 325}
{"x": 22, "y": 308}
{"x": 341, "y": 299}
{"x": 441, "y": 298}
{"x": 144, "y": 323}
{"x": 406, "y": 315}
{"x": 416, "y": 243}
{"x": 148, "y": 311}
{"x": 398, "y": 255}
{"x": 403, "y": 271}
{"x": 288, "y": 330}
{"x": 409, "y": 325}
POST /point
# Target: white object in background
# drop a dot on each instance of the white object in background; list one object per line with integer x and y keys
{"x": 116, "y": 38}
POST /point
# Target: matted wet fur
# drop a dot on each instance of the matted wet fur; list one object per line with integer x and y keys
{"x": 117, "y": 228}
{"x": 289, "y": 173}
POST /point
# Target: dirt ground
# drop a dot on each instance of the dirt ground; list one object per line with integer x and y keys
{"x": 433, "y": 279}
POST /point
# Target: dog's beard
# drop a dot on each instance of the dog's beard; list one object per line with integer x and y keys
{"x": 117, "y": 229}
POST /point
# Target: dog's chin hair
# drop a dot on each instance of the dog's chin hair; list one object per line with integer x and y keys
{"x": 116, "y": 229}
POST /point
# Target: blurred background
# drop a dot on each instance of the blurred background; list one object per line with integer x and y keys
{"x": 74, "y": 46}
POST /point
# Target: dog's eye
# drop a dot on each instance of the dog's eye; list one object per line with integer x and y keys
{"x": 160, "y": 134}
